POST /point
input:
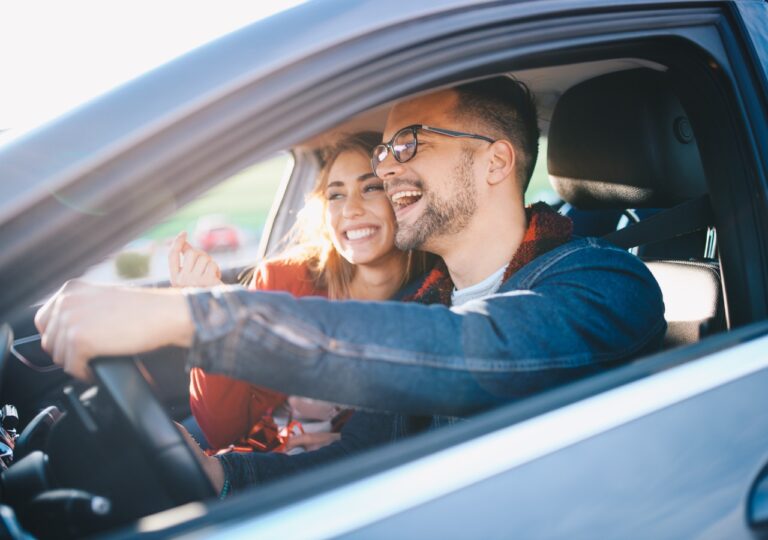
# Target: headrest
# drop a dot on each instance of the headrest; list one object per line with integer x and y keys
{"x": 623, "y": 140}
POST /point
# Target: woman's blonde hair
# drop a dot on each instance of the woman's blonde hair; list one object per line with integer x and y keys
{"x": 309, "y": 242}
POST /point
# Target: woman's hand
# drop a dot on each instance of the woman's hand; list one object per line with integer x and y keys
{"x": 190, "y": 267}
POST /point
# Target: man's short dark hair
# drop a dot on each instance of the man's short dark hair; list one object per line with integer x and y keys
{"x": 506, "y": 107}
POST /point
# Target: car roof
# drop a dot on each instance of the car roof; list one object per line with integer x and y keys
{"x": 45, "y": 158}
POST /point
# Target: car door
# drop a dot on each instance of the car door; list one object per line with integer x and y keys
{"x": 669, "y": 446}
{"x": 673, "y": 446}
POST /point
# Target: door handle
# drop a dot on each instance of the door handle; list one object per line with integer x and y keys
{"x": 757, "y": 504}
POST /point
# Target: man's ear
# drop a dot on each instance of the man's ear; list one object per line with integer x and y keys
{"x": 502, "y": 162}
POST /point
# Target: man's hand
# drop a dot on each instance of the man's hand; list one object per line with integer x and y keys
{"x": 311, "y": 441}
{"x": 190, "y": 267}
{"x": 82, "y": 321}
{"x": 211, "y": 466}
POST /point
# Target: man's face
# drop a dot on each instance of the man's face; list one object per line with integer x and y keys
{"x": 434, "y": 194}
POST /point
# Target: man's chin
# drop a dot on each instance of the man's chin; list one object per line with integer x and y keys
{"x": 407, "y": 239}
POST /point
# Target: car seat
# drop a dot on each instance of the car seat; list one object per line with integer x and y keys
{"x": 623, "y": 141}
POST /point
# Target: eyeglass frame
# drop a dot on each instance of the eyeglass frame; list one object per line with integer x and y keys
{"x": 414, "y": 129}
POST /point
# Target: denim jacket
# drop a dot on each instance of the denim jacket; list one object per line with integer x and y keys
{"x": 578, "y": 309}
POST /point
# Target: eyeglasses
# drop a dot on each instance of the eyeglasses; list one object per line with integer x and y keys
{"x": 405, "y": 142}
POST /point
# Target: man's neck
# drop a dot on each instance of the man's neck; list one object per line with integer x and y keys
{"x": 483, "y": 247}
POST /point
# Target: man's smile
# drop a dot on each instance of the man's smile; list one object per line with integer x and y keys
{"x": 404, "y": 198}
{"x": 401, "y": 199}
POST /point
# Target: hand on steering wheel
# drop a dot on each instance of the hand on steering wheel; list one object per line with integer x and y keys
{"x": 212, "y": 466}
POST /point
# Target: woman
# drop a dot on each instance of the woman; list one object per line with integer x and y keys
{"x": 342, "y": 246}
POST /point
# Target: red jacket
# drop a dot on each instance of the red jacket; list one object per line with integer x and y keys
{"x": 227, "y": 408}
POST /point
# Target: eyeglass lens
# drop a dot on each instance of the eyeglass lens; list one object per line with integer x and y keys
{"x": 403, "y": 147}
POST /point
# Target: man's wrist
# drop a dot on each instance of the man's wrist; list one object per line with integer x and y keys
{"x": 214, "y": 468}
{"x": 176, "y": 318}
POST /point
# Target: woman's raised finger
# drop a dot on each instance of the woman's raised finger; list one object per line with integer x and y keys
{"x": 174, "y": 256}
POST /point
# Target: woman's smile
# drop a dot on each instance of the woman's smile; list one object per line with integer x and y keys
{"x": 361, "y": 233}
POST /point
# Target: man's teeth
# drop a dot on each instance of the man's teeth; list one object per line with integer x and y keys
{"x": 400, "y": 194}
{"x": 404, "y": 198}
{"x": 357, "y": 234}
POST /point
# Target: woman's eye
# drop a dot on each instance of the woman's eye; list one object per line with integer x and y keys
{"x": 374, "y": 187}
{"x": 334, "y": 196}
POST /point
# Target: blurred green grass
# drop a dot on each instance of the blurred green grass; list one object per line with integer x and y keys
{"x": 244, "y": 200}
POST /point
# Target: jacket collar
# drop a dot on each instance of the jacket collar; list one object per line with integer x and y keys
{"x": 546, "y": 230}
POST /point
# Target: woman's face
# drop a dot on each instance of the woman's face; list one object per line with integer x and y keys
{"x": 358, "y": 214}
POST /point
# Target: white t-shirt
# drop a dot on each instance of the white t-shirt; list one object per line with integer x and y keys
{"x": 485, "y": 288}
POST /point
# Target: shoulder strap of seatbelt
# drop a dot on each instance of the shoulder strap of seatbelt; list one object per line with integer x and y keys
{"x": 689, "y": 216}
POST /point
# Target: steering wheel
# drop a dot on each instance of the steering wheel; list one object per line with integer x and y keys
{"x": 169, "y": 455}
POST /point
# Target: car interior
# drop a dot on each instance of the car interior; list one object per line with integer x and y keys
{"x": 620, "y": 145}
{"x": 643, "y": 156}
{"x": 623, "y": 156}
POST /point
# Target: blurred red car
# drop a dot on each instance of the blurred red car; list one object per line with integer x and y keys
{"x": 216, "y": 236}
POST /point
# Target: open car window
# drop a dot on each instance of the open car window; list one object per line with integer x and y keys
{"x": 227, "y": 221}
{"x": 540, "y": 189}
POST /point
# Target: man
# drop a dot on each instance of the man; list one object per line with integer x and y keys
{"x": 531, "y": 308}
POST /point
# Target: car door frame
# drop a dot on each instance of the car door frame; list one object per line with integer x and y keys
{"x": 518, "y": 35}
{"x": 733, "y": 87}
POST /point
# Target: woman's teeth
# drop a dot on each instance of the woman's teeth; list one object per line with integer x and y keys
{"x": 357, "y": 234}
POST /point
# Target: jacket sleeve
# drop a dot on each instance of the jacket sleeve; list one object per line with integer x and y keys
{"x": 226, "y": 408}
{"x": 585, "y": 308}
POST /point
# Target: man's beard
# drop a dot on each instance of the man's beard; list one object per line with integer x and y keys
{"x": 443, "y": 217}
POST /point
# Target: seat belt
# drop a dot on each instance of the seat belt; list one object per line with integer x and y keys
{"x": 684, "y": 218}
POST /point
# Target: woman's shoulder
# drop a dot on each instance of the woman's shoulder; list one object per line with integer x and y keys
{"x": 284, "y": 275}
{"x": 284, "y": 266}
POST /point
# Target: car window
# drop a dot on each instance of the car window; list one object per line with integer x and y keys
{"x": 226, "y": 221}
{"x": 540, "y": 189}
